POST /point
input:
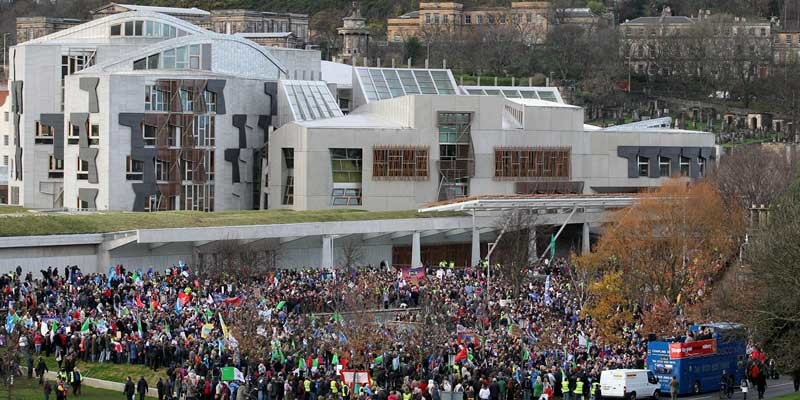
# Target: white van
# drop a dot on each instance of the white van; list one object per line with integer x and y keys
{"x": 629, "y": 384}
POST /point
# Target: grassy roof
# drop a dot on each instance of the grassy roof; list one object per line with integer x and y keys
{"x": 31, "y": 224}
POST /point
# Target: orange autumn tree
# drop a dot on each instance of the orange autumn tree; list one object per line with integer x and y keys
{"x": 668, "y": 248}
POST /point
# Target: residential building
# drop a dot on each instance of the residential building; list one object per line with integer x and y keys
{"x": 29, "y": 28}
{"x": 786, "y": 47}
{"x": 530, "y": 17}
{"x": 144, "y": 111}
{"x": 668, "y": 44}
{"x": 413, "y": 137}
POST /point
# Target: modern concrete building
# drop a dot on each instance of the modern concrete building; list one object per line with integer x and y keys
{"x": 143, "y": 111}
{"x": 414, "y": 137}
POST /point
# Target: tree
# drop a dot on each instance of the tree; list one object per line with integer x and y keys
{"x": 609, "y": 306}
{"x": 412, "y": 49}
{"x": 771, "y": 302}
{"x": 670, "y": 246}
{"x": 753, "y": 175}
{"x": 519, "y": 231}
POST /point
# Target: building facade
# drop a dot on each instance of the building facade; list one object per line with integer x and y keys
{"x": 415, "y": 137}
{"x": 29, "y": 28}
{"x": 432, "y": 18}
{"x": 355, "y": 36}
{"x": 143, "y": 111}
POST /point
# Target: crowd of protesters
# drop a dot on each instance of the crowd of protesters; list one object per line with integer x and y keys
{"x": 449, "y": 333}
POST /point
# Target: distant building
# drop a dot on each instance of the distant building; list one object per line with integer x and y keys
{"x": 220, "y": 21}
{"x": 355, "y": 36}
{"x": 646, "y": 39}
{"x": 786, "y": 47}
{"x": 272, "y": 39}
{"x": 435, "y": 17}
{"x": 29, "y": 28}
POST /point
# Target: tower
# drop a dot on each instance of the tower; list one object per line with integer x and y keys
{"x": 355, "y": 36}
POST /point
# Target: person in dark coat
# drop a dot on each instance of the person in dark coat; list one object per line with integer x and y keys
{"x": 160, "y": 389}
{"x": 41, "y": 368}
{"x": 761, "y": 384}
{"x": 141, "y": 387}
{"x": 130, "y": 389}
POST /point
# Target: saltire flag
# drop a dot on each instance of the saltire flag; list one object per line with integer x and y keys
{"x": 342, "y": 337}
{"x": 233, "y": 300}
{"x": 547, "y": 291}
{"x": 224, "y": 327}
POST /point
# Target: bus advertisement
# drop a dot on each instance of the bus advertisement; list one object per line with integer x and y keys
{"x": 699, "y": 364}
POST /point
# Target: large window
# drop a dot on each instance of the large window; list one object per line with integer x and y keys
{"x": 134, "y": 170}
{"x": 73, "y": 134}
{"x": 94, "y": 134}
{"x": 211, "y": 101}
{"x": 144, "y": 28}
{"x": 531, "y": 162}
{"x": 198, "y": 197}
{"x": 163, "y": 168}
{"x": 686, "y": 166}
{"x": 644, "y": 166}
{"x": 156, "y": 99}
{"x": 187, "y": 100}
{"x": 44, "y": 134}
{"x": 664, "y": 169}
{"x": 346, "y": 172}
{"x": 149, "y": 134}
{"x": 56, "y": 168}
{"x": 400, "y": 163}
{"x": 203, "y": 134}
{"x": 83, "y": 170}
{"x": 288, "y": 188}
{"x": 184, "y": 57}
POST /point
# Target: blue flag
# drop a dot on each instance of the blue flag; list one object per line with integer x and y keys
{"x": 111, "y": 275}
{"x": 10, "y": 323}
{"x": 547, "y": 291}
{"x": 178, "y": 306}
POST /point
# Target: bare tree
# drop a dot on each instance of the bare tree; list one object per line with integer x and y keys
{"x": 514, "y": 246}
{"x": 352, "y": 255}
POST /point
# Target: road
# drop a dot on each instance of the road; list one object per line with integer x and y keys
{"x": 775, "y": 388}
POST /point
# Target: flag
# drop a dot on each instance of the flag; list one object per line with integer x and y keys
{"x": 342, "y": 337}
{"x": 139, "y": 303}
{"x": 111, "y": 275}
{"x": 224, "y": 327}
{"x": 378, "y": 360}
{"x": 205, "y": 331}
{"x": 153, "y": 304}
{"x": 526, "y": 355}
{"x": 166, "y": 329}
{"x": 178, "y": 306}
{"x": 547, "y": 290}
{"x": 280, "y": 305}
{"x": 462, "y": 355}
{"x": 85, "y": 326}
{"x": 336, "y": 317}
{"x": 335, "y": 359}
{"x": 10, "y": 323}
{"x": 54, "y": 327}
{"x": 552, "y": 247}
{"x": 301, "y": 365}
{"x": 139, "y": 328}
{"x": 232, "y": 374}
{"x": 184, "y": 298}
{"x": 315, "y": 362}
{"x": 210, "y": 314}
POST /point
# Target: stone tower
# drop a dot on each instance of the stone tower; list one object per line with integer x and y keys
{"x": 355, "y": 36}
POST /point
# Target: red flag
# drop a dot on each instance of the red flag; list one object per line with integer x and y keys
{"x": 462, "y": 355}
{"x": 139, "y": 301}
{"x": 154, "y": 304}
{"x": 233, "y": 300}
{"x": 184, "y": 298}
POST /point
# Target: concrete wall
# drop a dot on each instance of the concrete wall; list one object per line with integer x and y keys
{"x": 34, "y": 259}
{"x": 304, "y": 65}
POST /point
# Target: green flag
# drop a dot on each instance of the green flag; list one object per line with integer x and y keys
{"x": 335, "y": 359}
{"x": 209, "y": 314}
{"x": 300, "y": 364}
{"x": 139, "y": 326}
{"x": 166, "y": 328}
{"x": 470, "y": 356}
{"x": 336, "y": 317}
{"x": 315, "y": 362}
{"x": 54, "y": 327}
{"x": 85, "y": 326}
{"x": 280, "y": 305}
{"x": 552, "y": 247}
{"x": 378, "y": 359}
{"x": 526, "y": 355}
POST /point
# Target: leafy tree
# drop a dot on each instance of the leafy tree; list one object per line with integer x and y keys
{"x": 412, "y": 49}
{"x": 670, "y": 246}
{"x": 609, "y": 306}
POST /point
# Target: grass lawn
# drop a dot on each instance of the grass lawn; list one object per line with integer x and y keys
{"x": 792, "y": 396}
{"x": 51, "y": 224}
{"x": 11, "y": 209}
{"x": 113, "y": 372}
{"x": 29, "y": 389}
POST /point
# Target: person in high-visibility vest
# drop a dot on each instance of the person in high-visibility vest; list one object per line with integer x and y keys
{"x": 345, "y": 392}
{"x": 565, "y": 388}
{"x": 452, "y": 265}
{"x": 595, "y": 389}
{"x": 307, "y": 387}
{"x": 578, "y": 391}
{"x": 334, "y": 388}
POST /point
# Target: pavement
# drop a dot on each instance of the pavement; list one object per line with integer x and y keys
{"x": 775, "y": 388}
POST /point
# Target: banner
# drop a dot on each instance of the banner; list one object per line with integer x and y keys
{"x": 351, "y": 377}
{"x": 232, "y": 374}
{"x": 413, "y": 273}
{"x": 693, "y": 349}
{"x": 206, "y": 330}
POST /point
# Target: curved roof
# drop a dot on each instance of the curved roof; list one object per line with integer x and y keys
{"x": 230, "y": 54}
{"x": 99, "y": 28}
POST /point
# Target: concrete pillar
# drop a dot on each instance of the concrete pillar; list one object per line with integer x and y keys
{"x": 416, "y": 259}
{"x": 585, "y": 240}
{"x": 532, "y": 249}
{"x": 476, "y": 247}
{"x": 327, "y": 251}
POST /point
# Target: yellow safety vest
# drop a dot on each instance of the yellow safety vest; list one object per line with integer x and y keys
{"x": 594, "y": 387}
{"x": 334, "y": 388}
{"x": 307, "y": 385}
{"x": 578, "y": 387}
{"x": 345, "y": 388}
{"x": 565, "y": 386}
{"x": 406, "y": 396}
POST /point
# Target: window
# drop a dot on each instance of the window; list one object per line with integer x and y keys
{"x": 187, "y": 100}
{"x": 663, "y": 167}
{"x": 532, "y": 162}
{"x": 480, "y": 19}
{"x": 162, "y": 170}
{"x": 491, "y": 19}
{"x": 288, "y": 188}
{"x": 5, "y": 161}
{"x": 198, "y": 197}
{"x": 44, "y": 133}
{"x": 436, "y": 19}
{"x": 83, "y": 170}
{"x": 685, "y": 166}
{"x": 168, "y": 59}
{"x": 644, "y": 166}
{"x": 5, "y": 140}
{"x": 445, "y": 19}
{"x": 134, "y": 170}
{"x": 74, "y": 134}
{"x": 173, "y": 136}
{"x": 400, "y": 163}
{"x": 502, "y": 19}
{"x": 211, "y": 101}
{"x": 5, "y": 116}
{"x": 346, "y": 165}
{"x": 56, "y": 168}
{"x": 529, "y": 18}
{"x": 94, "y": 134}
{"x": 82, "y": 205}
{"x": 129, "y": 28}
{"x": 151, "y": 203}
{"x": 346, "y": 197}
{"x": 203, "y": 134}
{"x": 188, "y": 170}
{"x": 116, "y": 30}
{"x": 208, "y": 165}
{"x": 156, "y": 99}
{"x": 194, "y": 56}
{"x": 467, "y": 19}
{"x": 427, "y": 18}
{"x": 149, "y": 134}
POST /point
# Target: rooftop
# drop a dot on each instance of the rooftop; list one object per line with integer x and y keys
{"x": 353, "y": 120}
{"x": 264, "y": 34}
{"x": 661, "y": 20}
{"x": 167, "y": 10}
{"x": 34, "y": 223}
